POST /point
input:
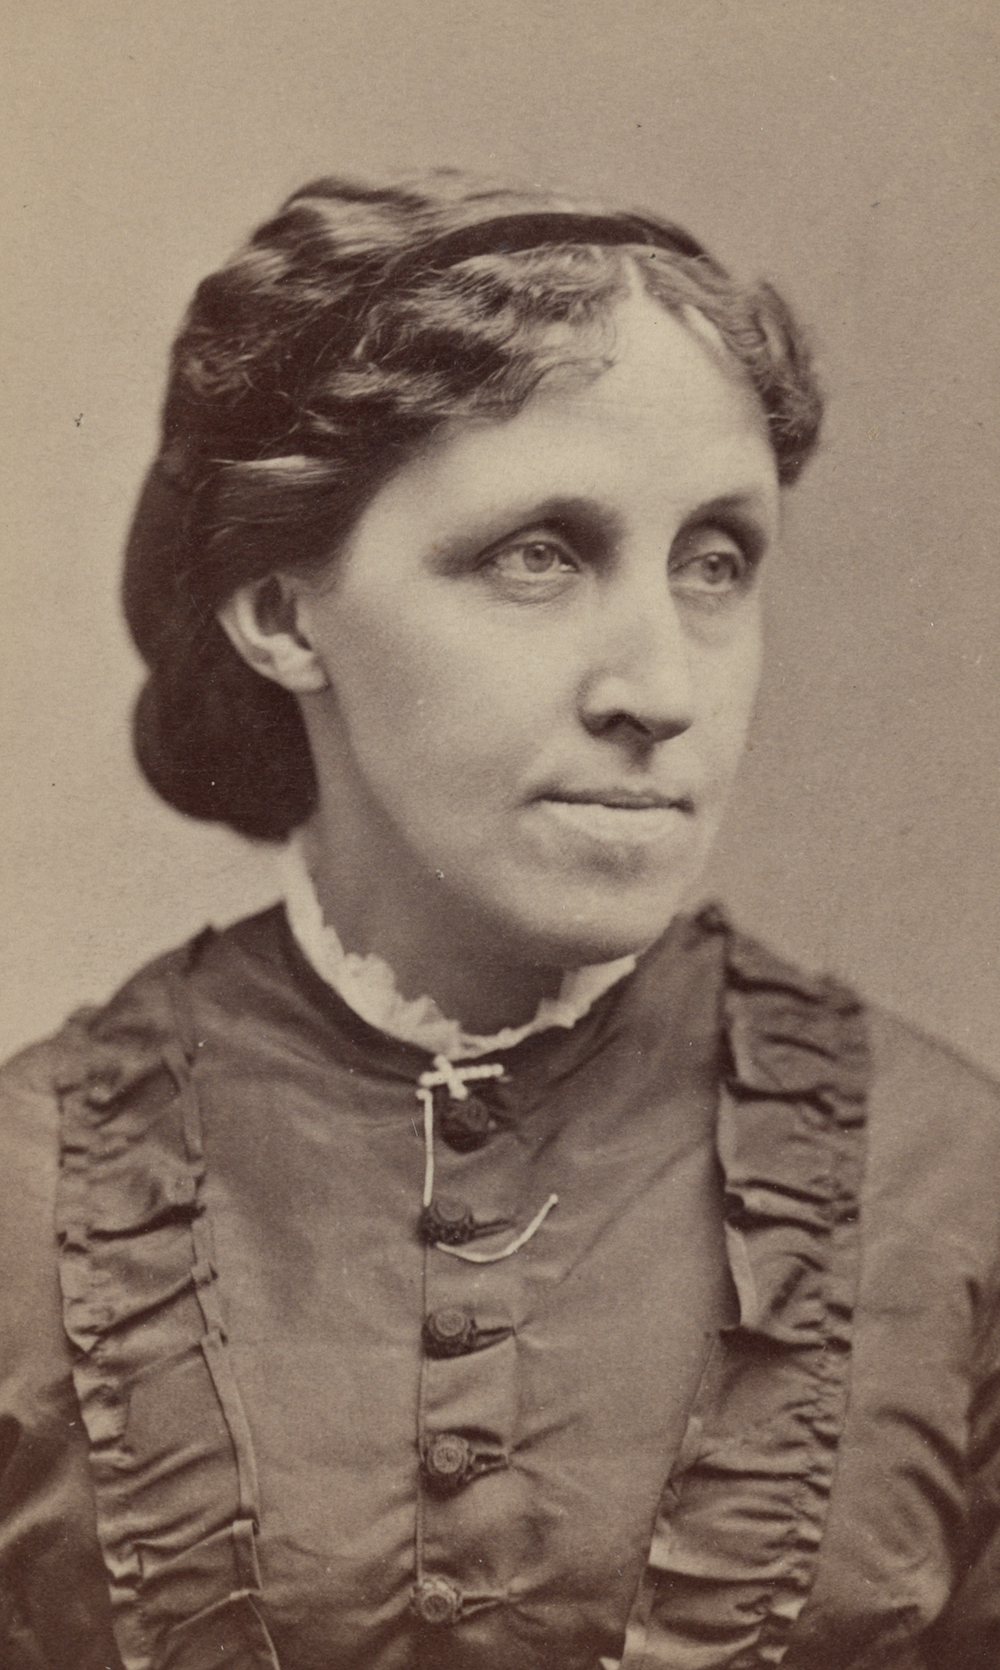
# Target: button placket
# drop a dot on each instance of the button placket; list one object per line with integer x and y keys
{"x": 469, "y": 1399}
{"x": 468, "y": 1402}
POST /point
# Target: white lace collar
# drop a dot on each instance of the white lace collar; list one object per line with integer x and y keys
{"x": 368, "y": 985}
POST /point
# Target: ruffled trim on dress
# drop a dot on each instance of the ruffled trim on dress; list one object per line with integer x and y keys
{"x": 738, "y": 1533}
{"x": 170, "y": 1451}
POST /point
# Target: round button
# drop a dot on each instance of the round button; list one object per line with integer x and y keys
{"x": 437, "y": 1601}
{"x": 465, "y": 1125}
{"x": 450, "y": 1221}
{"x": 449, "y": 1332}
{"x": 447, "y": 1460}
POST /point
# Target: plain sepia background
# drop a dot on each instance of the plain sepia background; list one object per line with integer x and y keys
{"x": 846, "y": 148}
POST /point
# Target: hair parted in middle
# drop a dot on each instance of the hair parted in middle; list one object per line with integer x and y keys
{"x": 313, "y": 364}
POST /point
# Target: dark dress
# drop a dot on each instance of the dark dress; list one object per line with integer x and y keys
{"x": 267, "y": 1412}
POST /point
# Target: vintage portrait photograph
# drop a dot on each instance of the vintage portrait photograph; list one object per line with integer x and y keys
{"x": 500, "y": 890}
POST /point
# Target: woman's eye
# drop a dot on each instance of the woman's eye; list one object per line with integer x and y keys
{"x": 532, "y": 560}
{"x": 715, "y": 568}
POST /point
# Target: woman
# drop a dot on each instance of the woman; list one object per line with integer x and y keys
{"x": 459, "y": 1263}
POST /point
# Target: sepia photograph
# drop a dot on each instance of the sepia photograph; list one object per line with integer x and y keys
{"x": 500, "y": 1131}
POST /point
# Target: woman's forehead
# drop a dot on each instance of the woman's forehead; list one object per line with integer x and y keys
{"x": 669, "y": 414}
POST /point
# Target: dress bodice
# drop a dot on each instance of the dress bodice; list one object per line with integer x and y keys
{"x": 324, "y": 1425}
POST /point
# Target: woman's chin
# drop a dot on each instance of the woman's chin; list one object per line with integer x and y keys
{"x": 578, "y": 900}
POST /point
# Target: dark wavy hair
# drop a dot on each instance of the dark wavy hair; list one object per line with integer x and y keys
{"x": 311, "y": 365}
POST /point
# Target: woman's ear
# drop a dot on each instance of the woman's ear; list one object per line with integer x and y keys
{"x": 262, "y": 622}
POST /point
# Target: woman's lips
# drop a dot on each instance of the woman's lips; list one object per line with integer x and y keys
{"x": 623, "y": 817}
{"x": 623, "y": 799}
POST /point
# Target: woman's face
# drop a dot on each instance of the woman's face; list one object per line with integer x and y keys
{"x": 542, "y": 645}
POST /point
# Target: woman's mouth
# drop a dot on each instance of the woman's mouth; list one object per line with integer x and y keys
{"x": 622, "y": 817}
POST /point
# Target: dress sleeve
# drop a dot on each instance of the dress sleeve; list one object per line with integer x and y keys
{"x": 54, "y": 1610}
{"x": 968, "y": 1633}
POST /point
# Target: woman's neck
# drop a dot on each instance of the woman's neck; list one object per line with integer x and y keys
{"x": 432, "y": 945}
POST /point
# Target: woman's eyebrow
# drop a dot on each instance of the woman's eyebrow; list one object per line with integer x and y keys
{"x": 749, "y": 512}
{"x": 747, "y": 501}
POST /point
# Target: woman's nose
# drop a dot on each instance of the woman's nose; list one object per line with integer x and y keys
{"x": 641, "y": 679}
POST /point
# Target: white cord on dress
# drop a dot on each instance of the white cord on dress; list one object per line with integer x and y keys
{"x": 512, "y": 1246}
{"x": 445, "y": 1072}
{"x": 457, "y": 1080}
{"x": 427, "y": 1098}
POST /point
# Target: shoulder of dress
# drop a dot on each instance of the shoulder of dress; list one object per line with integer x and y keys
{"x": 783, "y": 1023}
{"x": 904, "y": 1050}
{"x": 31, "y": 1083}
{"x": 788, "y": 1032}
{"x": 145, "y": 1011}
{"x": 753, "y": 966}
{"x": 899, "y": 1048}
{"x": 34, "y": 1368}
{"x": 933, "y": 1147}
